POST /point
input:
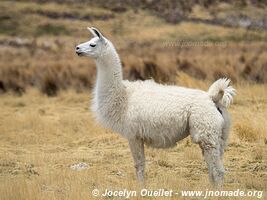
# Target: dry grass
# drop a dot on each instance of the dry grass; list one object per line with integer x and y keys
{"x": 23, "y": 67}
{"x": 41, "y": 137}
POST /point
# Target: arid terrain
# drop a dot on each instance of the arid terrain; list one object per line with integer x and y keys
{"x": 46, "y": 125}
{"x": 41, "y": 137}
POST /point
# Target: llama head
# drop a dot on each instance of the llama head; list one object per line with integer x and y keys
{"x": 96, "y": 47}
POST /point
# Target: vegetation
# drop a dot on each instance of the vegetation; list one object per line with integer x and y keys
{"x": 189, "y": 43}
{"x": 39, "y": 40}
{"x": 42, "y": 137}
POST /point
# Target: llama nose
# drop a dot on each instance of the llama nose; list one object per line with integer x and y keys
{"x": 77, "y": 48}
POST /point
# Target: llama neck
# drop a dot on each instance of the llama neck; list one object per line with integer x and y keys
{"x": 109, "y": 74}
{"x": 110, "y": 95}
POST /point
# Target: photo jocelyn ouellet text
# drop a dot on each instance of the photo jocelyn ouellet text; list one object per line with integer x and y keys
{"x": 169, "y": 193}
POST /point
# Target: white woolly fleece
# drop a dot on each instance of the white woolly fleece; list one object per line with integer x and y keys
{"x": 145, "y": 112}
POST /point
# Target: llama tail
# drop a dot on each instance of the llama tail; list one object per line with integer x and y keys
{"x": 221, "y": 93}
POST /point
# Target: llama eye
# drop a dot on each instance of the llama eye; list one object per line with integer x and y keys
{"x": 92, "y": 45}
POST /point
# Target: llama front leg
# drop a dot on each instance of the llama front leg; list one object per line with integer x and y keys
{"x": 137, "y": 149}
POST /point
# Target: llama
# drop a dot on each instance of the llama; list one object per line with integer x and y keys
{"x": 145, "y": 112}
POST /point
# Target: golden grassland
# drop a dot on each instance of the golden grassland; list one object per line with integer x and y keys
{"x": 42, "y": 137}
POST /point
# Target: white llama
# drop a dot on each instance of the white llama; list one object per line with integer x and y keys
{"x": 145, "y": 112}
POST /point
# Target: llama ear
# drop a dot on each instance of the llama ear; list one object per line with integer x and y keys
{"x": 91, "y": 31}
{"x": 95, "y": 32}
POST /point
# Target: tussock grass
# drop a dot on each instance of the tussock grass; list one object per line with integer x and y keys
{"x": 63, "y": 69}
{"x": 246, "y": 132}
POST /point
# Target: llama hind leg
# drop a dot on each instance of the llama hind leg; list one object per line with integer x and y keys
{"x": 225, "y": 132}
{"x": 209, "y": 142}
{"x": 137, "y": 149}
{"x": 223, "y": 140}
{"x": 211, "y": 151}
{"x": 214, "y": 162}
{"x": 205, "y": 126}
